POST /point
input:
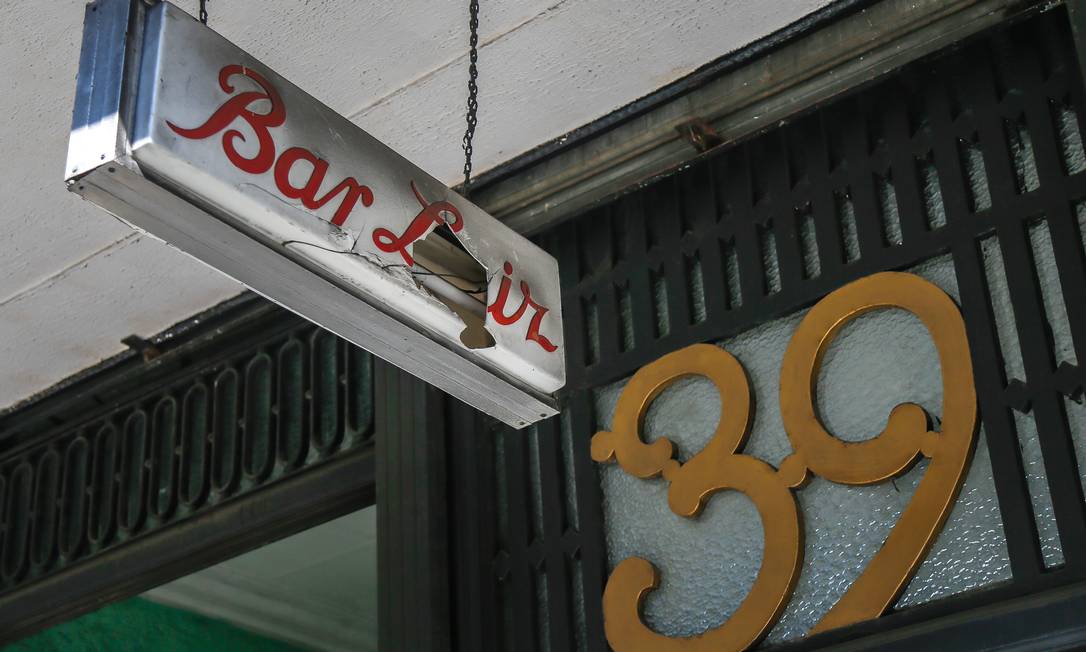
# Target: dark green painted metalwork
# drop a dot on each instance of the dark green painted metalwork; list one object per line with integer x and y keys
{"x": 255, "y": 397}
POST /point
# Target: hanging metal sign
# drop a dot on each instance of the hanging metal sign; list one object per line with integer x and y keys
{"x": 183, "y": 135}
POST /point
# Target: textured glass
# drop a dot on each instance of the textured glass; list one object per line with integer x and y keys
{"x": 1075, "y": 408}
{"x": 625, "y": 316}
{"x": 996, "y": 275}
{"x": 812, "y": 265}
{"x": 731, "y": 268}
{"x": 973, "y": 163}
{"x": 846, "y": 215}
{"x": 1056, "y": 313}
{"x": 1040, "y": 498}
{"x": 708, "y": 564}
{"x": 934, "y": 210}
{"x": 1044, "y": 259}
{"x": 1080, "y": 217}
{"x": 769, "y": 258}
{"x": 696, "y": 288}
{"x": 659, "y": 303}
{"x": 1074, "y": 157}
{"x": 891, "y": 221}
{"x": 1025, "y": 166}
{"x": 1076, "y": 418}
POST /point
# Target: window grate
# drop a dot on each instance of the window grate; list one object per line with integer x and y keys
{"x": 958, "y": 154}
{"x": 213, "y": 428}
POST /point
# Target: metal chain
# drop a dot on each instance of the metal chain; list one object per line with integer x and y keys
{"x": 203, "y": 11}
{"x": 473, "y": 92}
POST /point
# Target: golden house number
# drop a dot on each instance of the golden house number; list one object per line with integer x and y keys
{"x": 721, "y": 466}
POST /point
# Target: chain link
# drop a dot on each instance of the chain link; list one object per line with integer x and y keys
{"x": 473, "y": 92}
{"x": 473, "y": 86}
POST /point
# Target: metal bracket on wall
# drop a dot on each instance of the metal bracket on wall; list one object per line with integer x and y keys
{"x": 700, "y": 134}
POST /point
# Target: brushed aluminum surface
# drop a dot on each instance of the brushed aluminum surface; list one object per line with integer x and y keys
{"x": 216, "y": 154}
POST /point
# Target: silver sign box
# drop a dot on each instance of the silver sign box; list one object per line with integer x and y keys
{"x": 184, "y": 136}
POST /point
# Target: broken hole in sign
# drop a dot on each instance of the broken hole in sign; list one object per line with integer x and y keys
{"x": 455, "y": 278}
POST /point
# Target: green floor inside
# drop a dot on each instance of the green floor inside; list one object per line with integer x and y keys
{"x": 140, "y": 625}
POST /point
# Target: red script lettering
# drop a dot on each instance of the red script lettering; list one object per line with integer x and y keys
{"x": 261, "y": 124}
{"x": 497, "y": 310}
{"x": 434, "y": 213}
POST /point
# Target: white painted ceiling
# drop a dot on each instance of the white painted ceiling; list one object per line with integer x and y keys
{"x": 73, "y": 281}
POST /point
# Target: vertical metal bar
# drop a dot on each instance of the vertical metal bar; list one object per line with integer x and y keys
{"x": 823, "y": 207}
{"x": 747, "y": 244}
{"x": 640, "y": 288}
{"x": 388, "y": 606}
{"x": 610, "y": 331}
{"x": 1034, "y": 333}
{"x": 520, "y": 538}
{"x": 473, "y": 535}
{"x": 910, "y": 207}
{"x": 590, "y": 510}
{"x": 1066, "y": 240}
{"x": 412, "y": 509}
{"x": 1076, "y": 12}
{"x": 572, "y": 313}
{"x": 773, "y": 167}
{"x": 699, "y": 204}
{"x": 1012, "y": 490}
{"x": 554, "y": 563}
{"x": 852, "y": 121}
{"x": 668, "y": 220}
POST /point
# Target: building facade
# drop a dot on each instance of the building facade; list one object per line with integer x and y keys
{"x": 772, "y": 263}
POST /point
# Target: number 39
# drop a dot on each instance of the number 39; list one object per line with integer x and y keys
{"x": 720, "y": 466}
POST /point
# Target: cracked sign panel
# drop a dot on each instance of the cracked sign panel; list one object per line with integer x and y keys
{"x": 185, "y": 136}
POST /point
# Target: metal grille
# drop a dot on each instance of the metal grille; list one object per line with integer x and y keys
{"x": 216, "y": 425}
{"x": 962, "y": 154}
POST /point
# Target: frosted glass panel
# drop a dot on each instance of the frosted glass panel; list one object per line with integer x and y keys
{"x": 708, "y": 564}
{"x": 1030, "y": 445}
